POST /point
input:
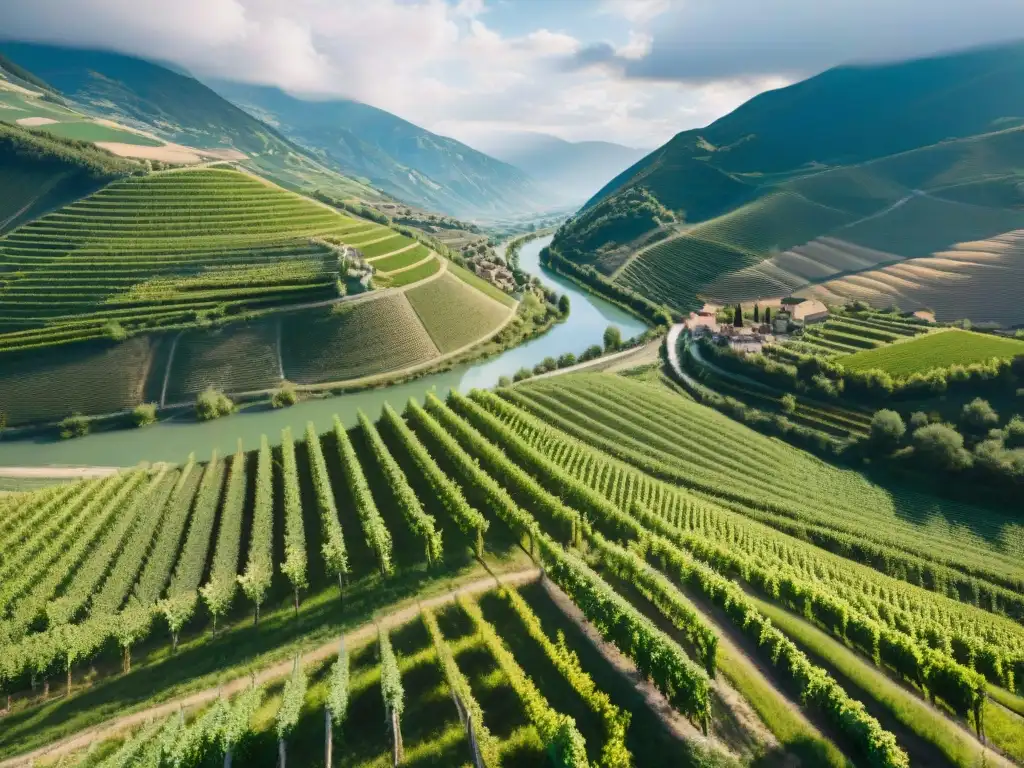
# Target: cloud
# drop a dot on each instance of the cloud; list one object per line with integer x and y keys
{"x": 705, "y": 40}
{"x": 636, "y": 11}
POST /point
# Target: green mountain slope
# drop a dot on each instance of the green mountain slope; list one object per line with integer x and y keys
{"x": 39, "y": 172}
{"x": 809, "y": 161}
{"x": 401, "y": 158}
{"x": 175, "y": 107}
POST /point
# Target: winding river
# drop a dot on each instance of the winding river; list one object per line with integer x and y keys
{"x": 174, "y": 438}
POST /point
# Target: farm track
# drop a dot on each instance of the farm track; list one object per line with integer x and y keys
{"x": 278, "y": 671}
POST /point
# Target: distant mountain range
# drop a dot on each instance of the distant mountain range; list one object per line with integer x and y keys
{"x": 299, "y": 142}
{"x": 924, "y": 154}
{"x": 392, "y": 154}
{"x": 571, "y": 170}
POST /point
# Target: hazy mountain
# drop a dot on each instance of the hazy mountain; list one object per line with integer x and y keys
{"x": 393, "y": 154}
{"x": 172, "y": 105}
{"x": 809, "y": 160}
{"x": 571, "y": 169}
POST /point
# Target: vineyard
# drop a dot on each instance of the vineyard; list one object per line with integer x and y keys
{"x": 850, "y": 333}
{"x": 935, "y": 350}
{"x": 165, "y": 250}
{"x": 455, "y": 314}
{"x": 710, "y": 597}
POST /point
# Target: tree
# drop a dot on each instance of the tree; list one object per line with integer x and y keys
{"x": 612, "y": 338}
{"x": 212, "y": 404}
{"x": 978, "y": 416}
{"x": 522, "y": 373}
{"x": 144, "y": 414}
{"x": 549, "y": 363}
{"x": 941, "y": 447}
{"x": 768, "y": 315}
{"x": 566, "y": 360}
{"x": 504, "y": 381}
{"x": 887, "y": 430}
{"x": 1013, "y": 434}
{"x": 563, "y": 304}
{"x": 919, "y": 419}
{"x": 590, "y": 353}
{"x": 115, "y": 331}
{"x": 757, "y": 313}
{"x": 737, "y": 317}
{"x": 788, "y": 403}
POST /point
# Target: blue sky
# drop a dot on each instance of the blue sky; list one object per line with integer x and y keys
{"x": 631, "y": 71}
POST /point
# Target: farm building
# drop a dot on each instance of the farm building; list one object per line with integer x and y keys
{"x": 700, "y": 323}
{"x": 803, "y": 311}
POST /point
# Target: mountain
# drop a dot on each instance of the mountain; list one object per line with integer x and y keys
{"x": 573, "y": 170}
{"x": 857, "y": 154}
{"x": 401, "y": 158}
{"x": 172, "y": 105}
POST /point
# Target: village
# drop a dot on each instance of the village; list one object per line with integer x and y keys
{"x": 749, "y": 329}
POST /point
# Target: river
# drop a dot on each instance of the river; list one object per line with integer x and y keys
{"x": 174, "y": 438}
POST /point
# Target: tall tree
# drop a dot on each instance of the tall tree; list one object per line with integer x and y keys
{"x": 768, "y": 315}
{"x": 757, "y": 313}
{"x": 737, "y": 318}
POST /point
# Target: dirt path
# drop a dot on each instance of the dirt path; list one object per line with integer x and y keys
{"x": 170, "y": 366}
{"x": 278, "y": 671}
{"x": 57, "y": 473}
{"x": 673, "y": 722}
{"x": 617, "y": 357}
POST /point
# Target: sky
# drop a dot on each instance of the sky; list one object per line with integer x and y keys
{"x": 630, "y": 71}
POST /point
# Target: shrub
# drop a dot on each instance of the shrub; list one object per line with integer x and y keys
{"x": 144, "y": 414}
{"x": 212, "y": 404}
{"x": 1013, "y": 434}
{"x": 567, "y": 360}
{"x": 75, "y": 425}
{"x": 941, "y": 446}
{"x": 563, "y": 304}
{"x": 978, "y": 416}
{"x": 115, "y": 331}
{"x": 788, "y": 404}
{"x": 504, "y": 381}
{"x": 887, "y": 430}
{"x": 522, "y": 374}
{"x": 591, "y": 353}
{"x": 285, "y": 396}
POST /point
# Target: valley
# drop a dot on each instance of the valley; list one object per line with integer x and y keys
{"x": 330, "y": 437}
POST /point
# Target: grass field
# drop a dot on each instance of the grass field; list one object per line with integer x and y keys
{"x": 479, "y": 283}
{"x": 934, "y": 350}
{"x": 401, "y": 260}
{"x": 396, "y": 514}
{"x": 454, "y": 313}
{"x": 94, "y": 132}
{"x": 406, "y": 277}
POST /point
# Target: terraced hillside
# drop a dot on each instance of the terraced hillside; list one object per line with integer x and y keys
{"x": 852, "y": 332}
{"x": 943, "y": 349}
{"x": 761, "y": 204}
{"x": 698, "y": 606}
{"x": 160, "y": 251}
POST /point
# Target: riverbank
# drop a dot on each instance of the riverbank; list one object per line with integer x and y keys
{"x": 174, "y": 438}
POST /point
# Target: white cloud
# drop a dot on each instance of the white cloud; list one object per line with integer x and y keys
{"x": 636, "y": 11}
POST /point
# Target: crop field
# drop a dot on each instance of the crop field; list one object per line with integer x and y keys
{"x": 84, "y": 130}
{"x": 95, "y": 377}
{"x": 241, "y": 357}
{"x": 421, "y": 271}
{"x": 351, "y": 341}
{"x": 163, "y": 250}
{"x": 402, "y": 259}
{"x": 384, "y": 247}
{"x": 975, "y": 279}
{"x": 647, "y": 642}
{"x": 935, "y": 350}
{"x": 455, "y": 314}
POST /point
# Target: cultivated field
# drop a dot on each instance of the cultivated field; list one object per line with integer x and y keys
{"x": 935, "y": 350}
{"x": 734, "y": 607}
{"x": 454, "y": 313}
{"x": 348, "y": 342}
{"x": 852, "y": 332}
{"x": 978, "y": 280}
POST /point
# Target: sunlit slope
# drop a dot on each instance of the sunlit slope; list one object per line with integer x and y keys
{"x": 874, "y": 173}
